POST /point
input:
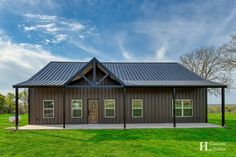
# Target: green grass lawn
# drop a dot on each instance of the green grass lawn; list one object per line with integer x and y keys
{"x": 142, "y": 142}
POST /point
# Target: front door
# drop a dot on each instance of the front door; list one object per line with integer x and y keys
{"x": 93, "y": 111}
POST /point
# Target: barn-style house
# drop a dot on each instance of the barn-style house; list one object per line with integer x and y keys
{"x": 116, "y": 93}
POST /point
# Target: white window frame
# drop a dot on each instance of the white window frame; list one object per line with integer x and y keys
{"x": 137, "y": 108}
{"x": 114, "y": 116}
{"x": 48, "y": 108}
{"x": 182, "y": 108}
{"x": 77, "y": 108}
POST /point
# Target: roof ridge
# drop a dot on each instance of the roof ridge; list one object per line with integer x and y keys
{"x": 116, "y": 62}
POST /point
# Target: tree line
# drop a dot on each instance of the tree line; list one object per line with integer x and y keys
{"x": 7, "y": 103}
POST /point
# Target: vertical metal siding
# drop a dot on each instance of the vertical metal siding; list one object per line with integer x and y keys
{"x": 156, "y": 104}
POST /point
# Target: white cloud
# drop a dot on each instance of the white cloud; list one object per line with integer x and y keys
{"x": 47, "y": 28}
{"x": 57, "y": 39}
{"x": 161, "y": 53}
{"x": 56, "y": 29}
{"x": 72, "y": 25}
{"x": 18, "y": 62}
{"x": 45, "y": 18}
{"x": 61, "y": 37}
{"x": 127, "y": 56}
{"x": 30, "y": 28}
{"x": 50, "y": 23}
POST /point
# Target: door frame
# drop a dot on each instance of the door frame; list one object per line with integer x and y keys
{"x": 88, "y": 109}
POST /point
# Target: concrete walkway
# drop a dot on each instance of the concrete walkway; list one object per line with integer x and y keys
{"x": 118, "y": 126}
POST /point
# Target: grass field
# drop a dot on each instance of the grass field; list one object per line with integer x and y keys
{"x": 109, "y": 143}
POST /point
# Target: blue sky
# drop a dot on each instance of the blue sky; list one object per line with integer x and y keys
{"x": 33, "y": 33}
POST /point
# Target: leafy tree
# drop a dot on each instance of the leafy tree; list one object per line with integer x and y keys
{"x": 10, "y": 104}
{"x": 23, "y": 99}
{"x": 210, "y": 63}
{"x": 2, "y": 103}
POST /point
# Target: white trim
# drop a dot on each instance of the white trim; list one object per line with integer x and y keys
{"x": 114, "y": 116}
{"x": 48, "y": 108}
{"x": 77, "y": 108}
{"x": 137, "y": 108}
{"x": 182, "y": 108}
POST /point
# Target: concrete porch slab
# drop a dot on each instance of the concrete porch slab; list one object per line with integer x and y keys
{"x": 119, "y": 126}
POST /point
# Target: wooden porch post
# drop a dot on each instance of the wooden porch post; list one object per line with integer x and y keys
{"x": 174, "y": 120}
{"x": 124, "y": 97}
{"x": 17, "y": 109}
{"x": 64, "y": 110}
{"x": 223, "y": 106}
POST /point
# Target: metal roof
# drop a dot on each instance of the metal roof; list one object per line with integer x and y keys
{"x": 131, "y": 74}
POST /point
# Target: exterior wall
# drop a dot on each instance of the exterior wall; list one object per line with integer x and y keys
{"x": 37, "y": 95}
{"x": 156, "y": 104}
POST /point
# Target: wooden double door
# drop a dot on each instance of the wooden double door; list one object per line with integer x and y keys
{"x": 93, "y": 108}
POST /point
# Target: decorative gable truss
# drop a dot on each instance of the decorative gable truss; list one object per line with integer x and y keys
{"x": 94, "y": 74}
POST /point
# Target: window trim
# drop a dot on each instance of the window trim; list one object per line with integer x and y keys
{"x": 109, "y": 108}
{"x": 48, "y": 109}
{"x": 182, "y": 108}
{"x": 77, "y": 108}
{"x": 137, "y": 108}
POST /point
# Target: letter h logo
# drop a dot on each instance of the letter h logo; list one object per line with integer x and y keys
{"x": 203, "y": 146}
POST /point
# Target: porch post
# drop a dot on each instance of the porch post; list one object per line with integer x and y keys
{"x": 223, "y": 106}
{"x": 206, "y": 103}
{"x": 174, "y": 120}
{"x": 64, "y": 110}
{"x": 28, "y": 105}
{"x": 17, "y": 109}
{"x": 124, "y": 114}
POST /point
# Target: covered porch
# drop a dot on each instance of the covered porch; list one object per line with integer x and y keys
{"x": 117, "y": 126}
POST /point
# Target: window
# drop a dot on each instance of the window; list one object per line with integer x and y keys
{"x": 76, "y": 108}
{"x": 48, "y": 108}
{"x": 109, "y": 108}
{"x": 137, "y": 108}
{"x": 183, "y": 108}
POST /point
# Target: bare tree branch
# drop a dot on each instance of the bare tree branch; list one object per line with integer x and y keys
{"x": 210, "y": 63}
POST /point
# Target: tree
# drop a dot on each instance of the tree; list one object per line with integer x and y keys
{"x": 23, "y": 99}
{"x": 2, "y": 103}
{"x": 10, "y": 104}
{"x": 210, "y": 63}
{"x": 230, "y": 48}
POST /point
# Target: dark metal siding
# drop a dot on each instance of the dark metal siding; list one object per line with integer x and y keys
{"x": 39, "y": 94}
{"x": 156, "y": 104}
